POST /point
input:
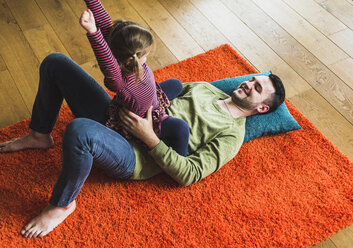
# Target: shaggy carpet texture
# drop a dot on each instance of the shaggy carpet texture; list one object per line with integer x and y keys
{"x": 289, "y": 190}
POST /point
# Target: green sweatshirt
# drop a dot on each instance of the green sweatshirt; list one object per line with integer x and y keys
{"x": 215, "y": 138}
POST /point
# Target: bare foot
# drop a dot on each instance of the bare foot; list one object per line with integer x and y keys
{"x": 32, "y": 140}
{"x": 47, "y": 220}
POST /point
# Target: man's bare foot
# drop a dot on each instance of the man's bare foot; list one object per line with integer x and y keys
{"x": 47, "y": 220}
{"x": 33, "y": 140}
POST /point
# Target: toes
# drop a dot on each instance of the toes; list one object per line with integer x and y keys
{"x": 26, "y": 228}
{"x": 31, "y": 232}
{"x": 8, "y": 142}
{"x": 4, "y": 144}
{"x": 8, "y": 146}
{"x": 3, "y": 149}
{"x": 36, "y": 233}
{"x": 42, "y": 234}
{"x": 26, "y": 233}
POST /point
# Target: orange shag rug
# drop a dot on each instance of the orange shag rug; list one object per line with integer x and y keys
{"x": 288, "y": 190}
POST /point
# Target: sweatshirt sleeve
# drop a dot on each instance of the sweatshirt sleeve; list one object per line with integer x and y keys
{"x": 102, "y": 18}
{"x": 206, "y": 160}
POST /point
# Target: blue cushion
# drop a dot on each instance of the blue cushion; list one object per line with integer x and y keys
{"x": 279, "y": 121}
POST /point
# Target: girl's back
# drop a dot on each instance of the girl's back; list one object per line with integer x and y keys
{"x": 121, "y": 50}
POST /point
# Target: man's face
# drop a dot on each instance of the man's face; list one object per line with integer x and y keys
{"x": 251, "y": 94}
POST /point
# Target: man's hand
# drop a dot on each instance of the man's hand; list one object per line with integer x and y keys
{"x": 87, "y": 21}
{"x": 141, "y": 128}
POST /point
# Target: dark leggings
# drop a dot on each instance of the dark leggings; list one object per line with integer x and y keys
{"x": 174, "y": 131}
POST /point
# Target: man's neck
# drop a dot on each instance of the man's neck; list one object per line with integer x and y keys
{"x": 233, "y": 110}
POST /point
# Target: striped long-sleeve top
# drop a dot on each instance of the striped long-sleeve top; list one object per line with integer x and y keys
{"x": 135, "y": 97}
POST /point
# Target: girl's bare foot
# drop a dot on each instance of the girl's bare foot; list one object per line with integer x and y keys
{"x": 33, "y": 140}
{"x": 47, "y": 220}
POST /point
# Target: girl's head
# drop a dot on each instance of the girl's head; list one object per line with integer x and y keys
{"x": 130, "y": 43}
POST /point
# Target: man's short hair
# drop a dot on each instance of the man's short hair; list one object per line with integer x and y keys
{"x": 276, "y": 98}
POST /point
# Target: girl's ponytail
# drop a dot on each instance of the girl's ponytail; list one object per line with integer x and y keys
{"x": 136, "y": 67}
{"x": 129, "y": 42}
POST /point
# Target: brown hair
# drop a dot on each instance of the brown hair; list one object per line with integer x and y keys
{"x": 277, "y": 98}
{"x": 128, "y": 42}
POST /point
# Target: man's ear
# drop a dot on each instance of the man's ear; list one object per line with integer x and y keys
{"x": 262, "y": 108}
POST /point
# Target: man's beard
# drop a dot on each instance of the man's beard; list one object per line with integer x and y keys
{"x": 243, "y": 103}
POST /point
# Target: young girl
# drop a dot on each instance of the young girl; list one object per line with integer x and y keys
{"x": 121, "y": 51}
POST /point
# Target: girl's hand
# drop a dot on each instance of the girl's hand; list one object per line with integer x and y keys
{"x": 87, "y": 22}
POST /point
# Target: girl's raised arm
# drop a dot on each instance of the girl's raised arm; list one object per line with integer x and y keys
{"x": 109, "y": 66}
{"x": 103, "y": 21}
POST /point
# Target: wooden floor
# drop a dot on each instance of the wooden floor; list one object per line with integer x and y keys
{"x": 308, "y": 43}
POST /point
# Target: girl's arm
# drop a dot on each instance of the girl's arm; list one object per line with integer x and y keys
{"x": 102, "y": 18}
{"x": 113, "y": 79}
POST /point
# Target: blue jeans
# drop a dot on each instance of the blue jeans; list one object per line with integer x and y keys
{"x": 86, "y": 139}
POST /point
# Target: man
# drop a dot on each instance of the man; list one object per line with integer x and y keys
{"x": 217, "y": 128}
{"x": 216, "y": 122}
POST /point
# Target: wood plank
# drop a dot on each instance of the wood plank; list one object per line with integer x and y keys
{"x": 67, "y": 27}
{"x": 341, "y": 9}
{"x": 293, "y": 82}
{"x": 27, "y": 13}
{"x": 343, "y": 69}
{"x": 257, "y": 52}
{"x": 318, "y": 44}
{"x": 343, "y": 239}
{"x": 240, "y": 36}
{"x": 350, "y": 229}
{"x": 121, "y": 9}
{"x": 344, "y": 39}
{"x": 325, "y": 244}
{"x": 333, "y": 125}
{"x": 20, "y": 60}
{"x": 196, "y": 24}
{"x": 78, "y": 6}
{"x": 13, "y": 108}
{"x": 2, "y": 64}
{"x": 316, "y": 16}
{"x": 167, "y": 28}
{"x": 293, "y": 53}
{"x": 36, "y": 29}
{"x": 160, "y": 55}
{"x": 44, "y": 41}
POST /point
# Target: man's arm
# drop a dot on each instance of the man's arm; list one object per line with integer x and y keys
{"x": 185, "y": 170}
{"x": 191, "y": 169}
{"x": 141, "y": 128}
